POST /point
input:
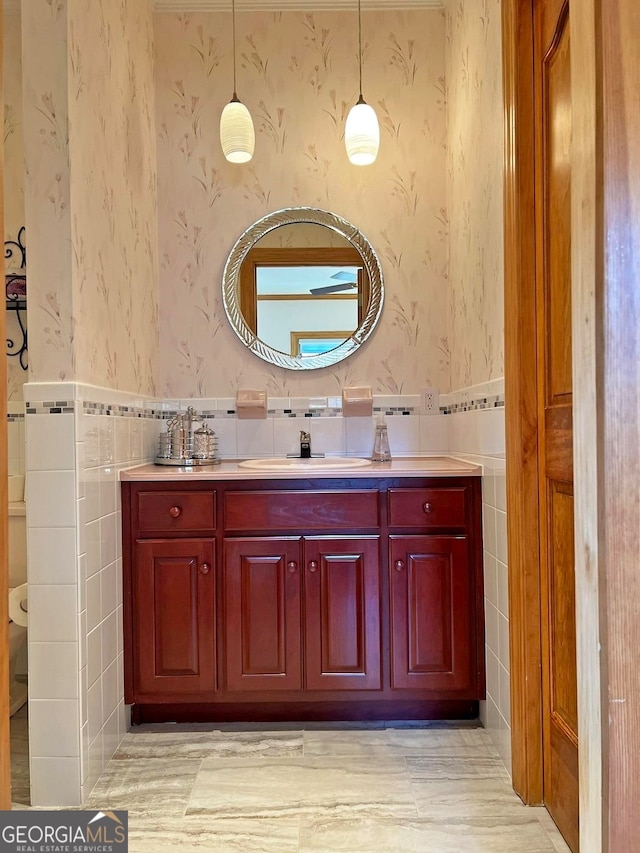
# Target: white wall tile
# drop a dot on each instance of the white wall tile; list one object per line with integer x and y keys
{"x": 255, "y": 438}
{"x": 94, "y": 609}
{"x": 53, "y": 671}
{"x": 109, "y": 630}
{"x": 404, "y": 435}
{"x": 108, "y": 593}
{"x": 122, "y": 447}
{"x": 96, "y": 762}
{"x": 328, "y": 435}
{"x": 227, "y": 433}
{"x": 55, "y": 782}
{"x": 50, "y": 442}
{"x": 107, "y": 438}
{"x": 108, "y": 539}
{"x": 54, "y": 729}
{"x": 52, "y": 555}
{"x": 110, "y": 735}
{"x": 110, "y": 697}
{"x": 52, "y": 498}
{"x": 94, "y": 655}
{"x": 493, "y": 676}
{"x": 490, "y": 579}
{"x": 503, "y": 588}
{"x": 434, "y": 433}
{"x": 489, "y": 529}
{"x": 501, "y": 536}
{"x": 501, "y": 489}
{"x": 492, "y": 636}
{"x": 53, "y": 613}
{"x": 92, "y": 546}
{"x": 94, "y": 709}
{"x": 108, "y": 489}
{"x": 286, "y": 435}
{"x": 360, "y": 436}
{"x": 503, "y": 641}
{"x": 505, "y": 694}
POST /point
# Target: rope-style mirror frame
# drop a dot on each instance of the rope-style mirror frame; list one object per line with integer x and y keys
{"x": 231, "y": 286}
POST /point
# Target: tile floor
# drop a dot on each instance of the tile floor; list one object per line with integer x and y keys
{"x": 383, "y": 788}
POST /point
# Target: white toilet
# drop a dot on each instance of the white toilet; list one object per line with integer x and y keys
{"x": 17, "y": 602}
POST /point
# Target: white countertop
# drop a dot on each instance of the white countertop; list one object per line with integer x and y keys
{"x": 424, "y": 466}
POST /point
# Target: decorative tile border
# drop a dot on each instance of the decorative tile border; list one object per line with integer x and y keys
{"x": 48, "y": 407}
{"x": 15, "y": 417}
{"x": 115, "y": 411}
{"x": 493, "y": 402}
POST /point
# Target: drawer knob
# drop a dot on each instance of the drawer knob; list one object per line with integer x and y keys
{"x": 175, "y": 511}
{"x": 399, "y": 565}
{"x": 313, "y": 566}
{"x": 292, "y": 567}
{"x": 205, "y": 568}
{"x": 427, "y": 507}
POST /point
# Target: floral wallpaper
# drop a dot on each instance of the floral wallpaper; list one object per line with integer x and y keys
{"x": 298, "y": 74}
{"x": 475, "y": 191}
{"x": 13, "y": 170}
{"x": 91, "y": 158}
{"x": 47, "y": 191}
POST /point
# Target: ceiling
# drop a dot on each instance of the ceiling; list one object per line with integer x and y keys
{"x": 282, "y": 5}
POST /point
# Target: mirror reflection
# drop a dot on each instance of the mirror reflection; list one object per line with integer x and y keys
{"x": 302, "y": 288}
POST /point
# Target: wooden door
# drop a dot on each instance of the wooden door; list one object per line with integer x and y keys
{"x": 432, "y": 613}
{"x": 555, "y": 411}
{"x": 174, "y": 617}
{"x": 262, "y": 598}
{"x": 342, "y": 613}
{"x": 5, "y": 744}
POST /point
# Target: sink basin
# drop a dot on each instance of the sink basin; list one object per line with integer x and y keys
{"x": 319, "y": 463}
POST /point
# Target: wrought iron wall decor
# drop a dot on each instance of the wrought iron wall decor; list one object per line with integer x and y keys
{"x": 16, "y": 293}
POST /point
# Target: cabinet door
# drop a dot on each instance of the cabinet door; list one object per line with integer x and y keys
{"x": 262, "y": 613}
{"x": 342, "y": 613}
{"x": 174, "y": 616}
{"x": 432, "y": 613}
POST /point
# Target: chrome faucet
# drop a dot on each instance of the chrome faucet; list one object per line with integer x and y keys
{"x": 305, "y": 445}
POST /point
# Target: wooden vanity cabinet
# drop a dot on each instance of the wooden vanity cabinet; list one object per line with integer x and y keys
{"x": 302, "y": 613}
{"x": 174, "y": 626}
{"x": 303, "y": 599}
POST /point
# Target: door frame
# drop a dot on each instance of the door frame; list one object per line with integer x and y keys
{"x": 606, "y": 381}
{"x": 5, "y": 739}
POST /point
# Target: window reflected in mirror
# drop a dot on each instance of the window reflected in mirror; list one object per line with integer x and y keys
{"x": 303, "y": 301}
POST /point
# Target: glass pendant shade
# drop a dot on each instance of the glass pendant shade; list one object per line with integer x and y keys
{"x": 237, "y": 135}
{"x": 362, "y": 134}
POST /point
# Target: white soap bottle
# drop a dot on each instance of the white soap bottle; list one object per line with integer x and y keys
{"x": 381, "y": 451}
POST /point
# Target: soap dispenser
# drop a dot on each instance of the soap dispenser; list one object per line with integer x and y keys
{"x": 381, "y": 452}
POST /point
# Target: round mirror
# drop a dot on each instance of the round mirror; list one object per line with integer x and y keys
{"x": 302, "y": 288}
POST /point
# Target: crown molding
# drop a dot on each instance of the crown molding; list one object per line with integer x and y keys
{"x": 289, "y": 5}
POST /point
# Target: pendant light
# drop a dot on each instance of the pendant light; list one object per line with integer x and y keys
{"x": 237, "y": 136}
{"x": 362, "y": 132}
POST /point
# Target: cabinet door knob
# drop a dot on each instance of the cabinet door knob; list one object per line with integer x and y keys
{"x": 399, "y": 565}
{"x": 292, "y": 567}
{"x": 313, "y": 566}
{"x": 427, "y": 508}
{"x": 205, "y": 568}
{"x": 175, "y": 511}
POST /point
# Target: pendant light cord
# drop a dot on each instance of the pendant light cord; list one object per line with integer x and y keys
{"x": 233, "y": 26}
{"x": 360, "y": 45}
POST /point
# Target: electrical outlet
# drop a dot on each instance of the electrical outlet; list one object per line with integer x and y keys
{"x": 430, "y": 401}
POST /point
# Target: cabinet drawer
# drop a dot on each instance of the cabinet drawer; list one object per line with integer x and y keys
{"x": 427, "y": 507}
{"x": 176, "y": 511}
{"x": 299, "y": 510}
